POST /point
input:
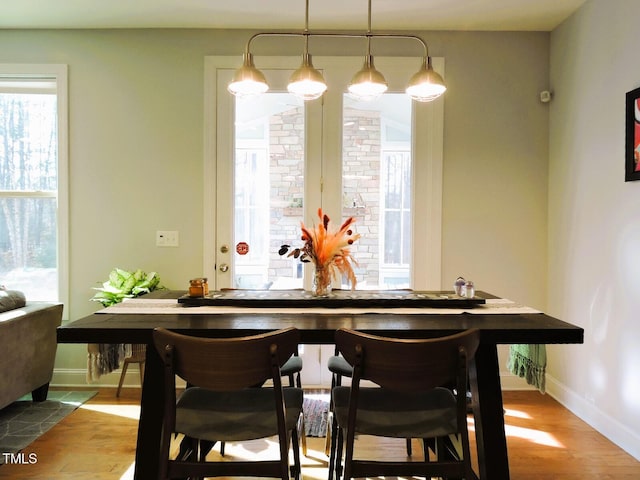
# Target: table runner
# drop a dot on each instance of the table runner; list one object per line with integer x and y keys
{"x": 159, "y": 306}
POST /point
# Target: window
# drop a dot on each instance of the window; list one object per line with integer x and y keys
{"x": 33, "y": 186}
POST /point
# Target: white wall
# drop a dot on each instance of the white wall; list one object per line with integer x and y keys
{"x": 136, "y": 153}
{"x": 594, "y": 218}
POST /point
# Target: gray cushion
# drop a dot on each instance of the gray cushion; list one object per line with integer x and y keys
{"x": 291, "y": 366}
{"x": 392, "y": 414}
{"x": 11, "y": 299}
{"x": 233, "y": 416}
{"x": 339, "y": 365}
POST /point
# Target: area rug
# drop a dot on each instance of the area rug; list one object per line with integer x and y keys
{"x": 315, "y": 408}
{"x": 24, "y": 421}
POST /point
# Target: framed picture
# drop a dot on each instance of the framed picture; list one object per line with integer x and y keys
{"x": 632, "y": 141}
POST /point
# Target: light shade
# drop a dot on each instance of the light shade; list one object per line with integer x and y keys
{"x": 368, "y": 83}
{"x": 307, "y": 82}
{"x": 426, "y": 85}
{"x": 248, "y": 80}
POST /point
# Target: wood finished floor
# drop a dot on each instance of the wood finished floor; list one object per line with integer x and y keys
{"x": 545, "y": 441}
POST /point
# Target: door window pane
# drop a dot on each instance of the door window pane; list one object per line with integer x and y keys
{"x": 269, "y": 186}
{"x": 376, "y": 186}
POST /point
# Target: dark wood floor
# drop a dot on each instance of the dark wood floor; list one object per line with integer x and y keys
{"x": 545, "y": 441}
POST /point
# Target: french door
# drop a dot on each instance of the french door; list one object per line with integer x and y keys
{"x": 273, "y": 160}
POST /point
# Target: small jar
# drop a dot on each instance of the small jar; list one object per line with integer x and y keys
{"x": 468, "y": 290}
{"x": 458, "y": 286}
{"x": 198, "y": 287}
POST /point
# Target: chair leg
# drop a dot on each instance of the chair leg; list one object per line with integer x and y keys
{"x": 425, "y": 448}
{"x": 297, "y": 465}
{"x": 338, "y": 454}
{"x": 294, "y": 379}
{"x": 125, "y": 365}
{"x": 332, "y": 427}
{"x": 333, "y": 442}
{"x": 141, "y": 367}
{"x": 327, "y": 436}
{"x": 409, "y": 448}
{"x": 302, "y": 433}
{"x": 198, "y": 453}
{"x": 205, "y": 447}
{"x": 122, "y": 375}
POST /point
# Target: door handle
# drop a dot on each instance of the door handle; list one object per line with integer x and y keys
{"x": 223, "y": 267}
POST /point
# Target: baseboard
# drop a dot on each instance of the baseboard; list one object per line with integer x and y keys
{"x": 588, "y": 412}
{"x": 508, "y": 381}
{"x": 68, "y": 377}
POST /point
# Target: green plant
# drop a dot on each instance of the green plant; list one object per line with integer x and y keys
{"x": 123, "y": 284}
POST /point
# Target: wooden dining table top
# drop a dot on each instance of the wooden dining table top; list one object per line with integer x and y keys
{"x": 319, "y": 328}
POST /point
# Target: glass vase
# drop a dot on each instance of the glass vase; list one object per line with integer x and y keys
{"x": 321, "y": 286}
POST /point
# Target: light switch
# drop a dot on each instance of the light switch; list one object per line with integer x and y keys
{"x": 167, "y": 238}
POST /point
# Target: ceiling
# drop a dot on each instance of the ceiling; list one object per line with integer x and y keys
{"x": 500, "y": 15}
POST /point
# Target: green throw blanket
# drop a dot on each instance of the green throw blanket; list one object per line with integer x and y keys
{"x": 530, "y": 362}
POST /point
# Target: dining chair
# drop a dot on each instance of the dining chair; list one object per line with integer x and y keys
{"x": 412, "y": 399}
{"x": 222, "y": 403}
{"x": 139, "y": 356}
{"x": 340, "y": 369}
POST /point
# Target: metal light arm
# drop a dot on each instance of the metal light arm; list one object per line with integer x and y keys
{"x": 308, "y": 34}
{"x": 307, "y": 82}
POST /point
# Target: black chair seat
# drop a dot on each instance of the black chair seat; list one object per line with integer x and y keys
{"x": 423, "y": 415}
{"x": 233, "y": 416}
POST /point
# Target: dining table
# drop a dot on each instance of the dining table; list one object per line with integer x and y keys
{"x": 404, "y": 314}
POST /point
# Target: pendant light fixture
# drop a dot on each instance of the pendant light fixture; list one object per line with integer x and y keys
{"x": 248, "y": 80}
{"x": 426, "y": 85}
{"x": 308, "y": 83}
{"x": 368, "y": 83}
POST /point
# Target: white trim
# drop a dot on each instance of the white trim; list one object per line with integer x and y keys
{"x": 211, "y": 64}
{"x": 28, "y": 194}
{"x": 427, "y": 220}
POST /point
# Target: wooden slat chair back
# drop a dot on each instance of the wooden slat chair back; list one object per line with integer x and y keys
{"x": 411, "y": 400}
{"x": 221, "y": 403}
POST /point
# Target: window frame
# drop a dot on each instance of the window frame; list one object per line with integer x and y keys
{"x": 59, "y": 74}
